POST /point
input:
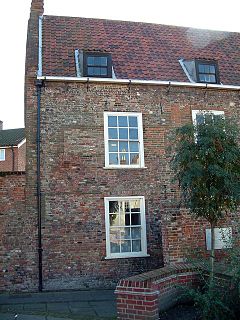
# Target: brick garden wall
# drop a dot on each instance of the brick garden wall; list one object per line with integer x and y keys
{"x": 18, "y": 268}
{"x": 142, "y": 297}
{"x": 74, "y": 181}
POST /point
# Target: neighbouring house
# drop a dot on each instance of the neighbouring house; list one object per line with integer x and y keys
{"x": 101, "y": 99}
{"x": 12, "y": 149}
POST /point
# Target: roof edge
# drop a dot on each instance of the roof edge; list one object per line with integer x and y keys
{"x": 140, "y": 82}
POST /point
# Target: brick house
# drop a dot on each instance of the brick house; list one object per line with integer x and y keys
{"x": 12, "y": 149}
{"x": 102, "y": 97}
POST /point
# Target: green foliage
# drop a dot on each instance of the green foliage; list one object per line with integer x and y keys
{"x": 212, "y": 301}
{"x": 207, "y": 166}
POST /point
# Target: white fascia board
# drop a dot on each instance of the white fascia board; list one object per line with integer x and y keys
{"x": 21, "y": 143}
{"x": 140, "y": 82}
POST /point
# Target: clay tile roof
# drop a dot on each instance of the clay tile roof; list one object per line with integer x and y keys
{"x": 11, "y": 137}
{"x": 139, "y": 50}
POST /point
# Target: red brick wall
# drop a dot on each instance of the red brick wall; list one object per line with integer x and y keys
{"x": 19, "y": 159}
{"x": 74, "y": 181}
{"x": 7, "y": 164}
{"x": 21, "y": 163}
{"x": 18, "y": 264}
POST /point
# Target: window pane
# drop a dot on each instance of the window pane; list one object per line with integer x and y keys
{"x": 201, "y": 68}
{"x": 136, "y": 233}
{"x": 103, "y": 71}
{"x": 136, "y": 245}
{"x": 113, "y": 158}
{"x": 113, "y": 207}
{"x": 115, "y": 235}
{"x": 135, "y": 219}
{"x": 114, "y": 219}
{"x": 132, "y": 121}
{"x": 97, "y": 61}
{"x": 212, "y": 69}
{"x": 112, "y": 121}
{"x": 199, "y": 119}
{"x": 133, "y": 134}
{"x": 135, "y": 205}
{"x": 113, "y": 146}
{"x": 90, "y": 71}
{"x": 122, "y": 121}
{"x": 123, "y": 146}
{"x": 202, "y": 77}
{"x": 133, "y": 146}
{"x": 112, "y": 133}
{"x": 126, "y": 233}
{"x": 126, "y": 246}
{"x": 212, "y": 78}
{"x": 103, "y": 61}
{"x": 123, "y": 134}
{"x": 124, "y": 158}
{"x": 90, "y": 61}
{"x": 127, "y": 206}
{"x": 134, "y": 158}
{"x": 2, "y": 154}
{"x": 115, "y": 247}
{"x": 127, "y": 219}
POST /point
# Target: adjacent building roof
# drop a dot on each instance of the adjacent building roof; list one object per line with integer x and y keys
{"x": 139, "y": 50}
{"x": 11, "y": 137}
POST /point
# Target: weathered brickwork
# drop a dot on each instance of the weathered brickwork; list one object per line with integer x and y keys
{"x": 75, "y": 182}
{"x": 18, "y": 268}
{"x": 15, "y": 159}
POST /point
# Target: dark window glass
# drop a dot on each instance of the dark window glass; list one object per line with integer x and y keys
{"x": 97, "y": 65}
{"x": 207, "y": 72}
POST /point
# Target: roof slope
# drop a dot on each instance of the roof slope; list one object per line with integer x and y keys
{"x": 139, "y": 50}
{"x": 11, "y": 137}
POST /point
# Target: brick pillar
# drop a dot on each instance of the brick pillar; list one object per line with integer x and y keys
{"x": 136, "y": 301}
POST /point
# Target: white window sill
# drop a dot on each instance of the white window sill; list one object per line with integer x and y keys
{"x": 124, "y": 167}
{"x": 127, "y": 256}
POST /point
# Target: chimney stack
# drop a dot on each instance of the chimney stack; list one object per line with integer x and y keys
{"x": 1, "y": 125}
{"x": 37, "y": 6}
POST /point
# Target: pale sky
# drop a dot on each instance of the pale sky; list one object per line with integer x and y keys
{"x": 207, "y": 14}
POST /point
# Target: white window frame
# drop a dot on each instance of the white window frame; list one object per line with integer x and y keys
{"x": 140, "y": 140}
{"x": 143, "y": 252}
{"x": 2, "y": 154}
{"x": 195, "y": 112}
{"x": 222, "y": 236}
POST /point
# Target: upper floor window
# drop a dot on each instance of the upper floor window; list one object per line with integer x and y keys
{"x": 123, "y": 140}
{"x": 207, "y": 71}
{"x": 96, "y": 64}
{"x": 2, "y": 154}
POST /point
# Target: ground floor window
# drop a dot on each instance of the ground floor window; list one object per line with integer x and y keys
{"x": 125, "y": 227}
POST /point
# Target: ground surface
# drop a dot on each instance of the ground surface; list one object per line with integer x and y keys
{"x": 180, "y": 312}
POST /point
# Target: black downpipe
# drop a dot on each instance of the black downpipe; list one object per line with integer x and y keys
{"x": 13, "y": 159}
{"x": 39, "y": 84}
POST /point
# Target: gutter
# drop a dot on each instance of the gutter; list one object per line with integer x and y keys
{"x": 139, "y": 82}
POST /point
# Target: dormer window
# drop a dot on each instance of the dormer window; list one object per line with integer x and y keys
{"x": 207, "y": 71}
{"x": 97, "y": 64}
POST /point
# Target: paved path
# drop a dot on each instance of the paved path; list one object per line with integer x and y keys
{"x": 82, "y": 305}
